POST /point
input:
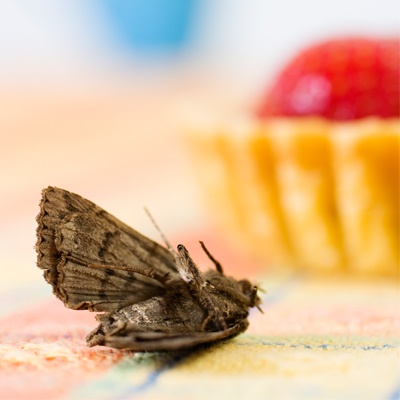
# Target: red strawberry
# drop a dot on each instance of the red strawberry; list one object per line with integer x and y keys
{"x": 341, "y": 79}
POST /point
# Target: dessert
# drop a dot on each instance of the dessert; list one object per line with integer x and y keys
{"x": 311, "y": 179}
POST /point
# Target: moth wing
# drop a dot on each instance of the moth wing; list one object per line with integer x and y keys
{"x": 74, "y": 235}
{"x": 133, "y": 337}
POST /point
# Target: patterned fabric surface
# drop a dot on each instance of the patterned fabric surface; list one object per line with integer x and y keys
{"x": 319, "y": 338}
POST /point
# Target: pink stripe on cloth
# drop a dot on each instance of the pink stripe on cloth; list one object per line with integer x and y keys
{"x": 43, "y": 354}
{"x": 329, "y": 306}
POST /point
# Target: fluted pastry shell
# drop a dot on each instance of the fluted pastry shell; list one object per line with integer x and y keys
{"x": 306, "y": 192}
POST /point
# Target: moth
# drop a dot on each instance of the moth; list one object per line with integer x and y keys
{"x": 149, "y": 297}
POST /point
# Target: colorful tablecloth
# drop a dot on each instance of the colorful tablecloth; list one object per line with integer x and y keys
{"x": 318, "y": 338}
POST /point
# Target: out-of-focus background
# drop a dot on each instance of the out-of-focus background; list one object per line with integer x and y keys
{"x": 95, "y": 97}
{"x": 91, "y": 95}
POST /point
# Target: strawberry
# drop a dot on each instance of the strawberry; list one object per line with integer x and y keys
{"x": 340, "y": 79}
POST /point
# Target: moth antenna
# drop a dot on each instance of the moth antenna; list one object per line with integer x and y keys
{"x": 260, "y": 309}
{"x": 163, "y": 237}
{"x": 217, "y": 264}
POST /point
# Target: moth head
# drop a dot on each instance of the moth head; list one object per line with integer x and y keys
{"x": 250, "y": 291}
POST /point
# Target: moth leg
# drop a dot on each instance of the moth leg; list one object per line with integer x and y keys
{"x": 205, "y": 322}
{"x": 95, "y": 337}
{"x": 198, "y": 287}
{"x": 108, "y": 326}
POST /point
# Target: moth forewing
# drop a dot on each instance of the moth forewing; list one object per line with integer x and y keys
{"x": 154, "y": 298}
{"x": 74, "y": 235}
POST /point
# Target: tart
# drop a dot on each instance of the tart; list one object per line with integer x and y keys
{"x": 311, "y": 179}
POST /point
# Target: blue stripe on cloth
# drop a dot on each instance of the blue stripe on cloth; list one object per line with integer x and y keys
{"x": 395, "y": 394}
{"x": 119, "y": 382}
{"x": 323, "y": 346}
{"x": 132, "y": 391}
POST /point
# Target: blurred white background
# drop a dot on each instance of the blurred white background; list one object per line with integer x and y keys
{"x": 43, "y": 40}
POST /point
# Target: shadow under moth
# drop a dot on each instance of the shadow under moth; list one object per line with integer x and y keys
{"x": 150, "y": 297}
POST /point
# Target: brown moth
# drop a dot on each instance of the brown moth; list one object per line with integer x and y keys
{"x": 151, "y": 298}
